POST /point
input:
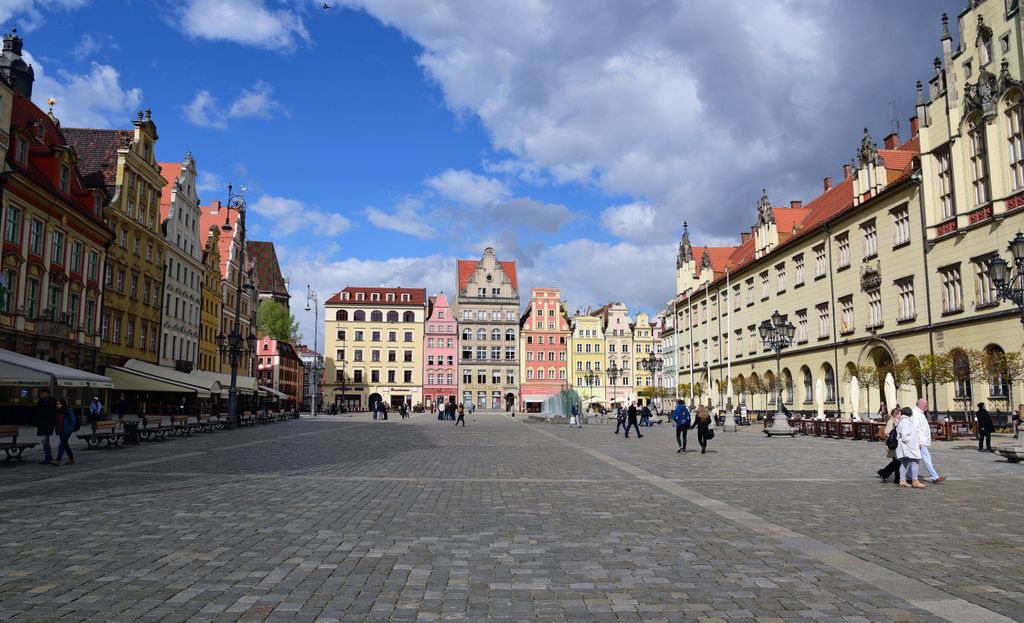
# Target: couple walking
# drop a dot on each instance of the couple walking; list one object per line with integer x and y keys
{"x": 684, "y": 422}
{"x": 909, "y": 438}
{"x": 55, "y": 416}
{"x": 629, "y": 419}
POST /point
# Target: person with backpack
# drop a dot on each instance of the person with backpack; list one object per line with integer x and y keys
{"x": 893, "y": 468}
{"x": 67, "y": 423}
{"x": 681, "y": 417}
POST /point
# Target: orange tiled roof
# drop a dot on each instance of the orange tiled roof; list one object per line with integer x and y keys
{"x": 214, "y": 215}
{"x": 468, "y": 267}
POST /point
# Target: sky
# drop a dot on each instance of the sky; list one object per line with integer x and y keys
{"x": 381, "y": 140}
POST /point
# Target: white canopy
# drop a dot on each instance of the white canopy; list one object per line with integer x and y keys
{"x": 135, "y": 381}
{"x": 245, "y": 384}
{"x": 17, "y": 369}
{"x": 270, "y": 391}
{"x": 204, "y": 388}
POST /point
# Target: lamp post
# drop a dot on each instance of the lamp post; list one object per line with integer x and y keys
{"x": 613, "y": 375}
{"x": 777, "y": 334}
{"x": 652, "y": 364}
{"x": 590, "y": 378}
{"x": 312, "y": 297}
{"x": 235, "y": 344}
{"x": 1009, "y": 281}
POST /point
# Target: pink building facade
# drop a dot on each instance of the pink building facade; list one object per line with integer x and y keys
{"x": 440, "y": 350}
{"x": 544, "y": 331}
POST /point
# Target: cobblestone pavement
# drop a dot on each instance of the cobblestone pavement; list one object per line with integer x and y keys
{"x": 347, "y": 519}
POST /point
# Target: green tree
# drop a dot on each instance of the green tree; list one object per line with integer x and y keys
{"x": 273, "y": 319}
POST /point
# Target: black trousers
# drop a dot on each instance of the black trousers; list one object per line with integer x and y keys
{"x": 702, "y": 439}
{"x": 462, "y": 419}
{"x": 892, "y": 468}
{"x": 681, "y": 434}
{"x": 984, "y": 440}
{"x": 618, "y": 424}
{"x": 634, "y": 425}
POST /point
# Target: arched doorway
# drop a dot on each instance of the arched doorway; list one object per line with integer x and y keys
{"x": 374, "y": 399}
{"x": 879, "y": 356}
{"x": 510, "y": 401}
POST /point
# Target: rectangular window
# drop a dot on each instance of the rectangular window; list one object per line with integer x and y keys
{"x": 736, "y": 300}
{"x": 56, "y": 299}
{"x": 984, "y": 291}
{"x": 798, "y": 270}
{"x": 952, "y": 294}
{"x": 391, "y": 376}
{"x": 1015, "y": 134}
{"x": 846, "y": 315}
{"x": 979, "y": 164}
{"x": 823, "y": 321}
{"x": 374, "y": 355}
{"x": 116, "y": 336}
{"x": 874, "y": 309}
{"x": 374, "y": 336}
{"x": 407, "y": 376}
{"x": 392, "y": 356}
{"x": 12, "y": 228}
{"x": 65, "y": 178}
{"x": 134, "y": 286}
{"x": 843, "y": 256}
{"x": 129, "y": 334}
{"x": 907, "y": 310}
{"x": 819, "y": 261}
{"x": 407, "y": 356}
{"x": 801, "y": 326}
{"x": 32, "y": 297}
{"x": 780, "y": 273}
{"x": 408, "y": 336}
{"x": 764, "y": 286}
{"x": 358, "y": 355}
{"x": 900, "y": 226}
{"x": 392, "y": 336}
{"x": 57, "y": 248}
{"x": 870, "y": 233}
{"x": 375, "y": 376}
{"x": 76, "y": 257}
{"x": 945, "y": 188}
{"x": 359, "y": 336}
{"x": 750, "y": 291}
{"x": 35, "y": 237}
{"x": 90, "y": 317}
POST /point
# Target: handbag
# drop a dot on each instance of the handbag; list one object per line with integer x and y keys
{"x": 710, "y": 434}
{"x": 892, "y": 441}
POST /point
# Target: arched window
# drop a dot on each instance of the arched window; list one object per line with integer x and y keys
{"x": 830, "y": 384}
{"x": 996, "y": 371}
{"x": 496, "y": 335}
{"x": 408, "y": 317}
{"x": 977, "y": 151}
{"x": 359, "y": 315}
{"x": 376, "y": 316}
{"x": 510, "y": 335}
{"x": 392, "y": 316}
{"x": 808, "y": 385}
{"x": 481, "y": 334}
{"x": 787, "y": 384}
{"x": 341, "y": 315}
{"x": 467, "y": 334}
{"x": 961, "y": 374}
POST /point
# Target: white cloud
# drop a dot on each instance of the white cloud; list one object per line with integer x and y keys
{"x": 92, "y": 100}
{"x": 633, "y": 221}
{"x": 405, "y": 219}
{"x": 205, "y": 111}
{"x": 288, "y": 216}
{"x": 247, "y": 22}
{"x": 29, "y": 13}
{"x": 210, "y": 182}
{"x": 467, "y": 187}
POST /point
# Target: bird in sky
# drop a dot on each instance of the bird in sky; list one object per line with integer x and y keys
{"x": 327, "y": 7}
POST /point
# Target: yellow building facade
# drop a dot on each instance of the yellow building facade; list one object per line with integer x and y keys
{"x": 587, "y": 360}
{"x": 209, "y": 355}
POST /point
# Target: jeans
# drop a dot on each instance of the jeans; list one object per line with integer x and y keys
{"x": 47, "y": 451}
{"x": 926, "y": 458}
{"x": 908, "y": 469}
{"x": 64, "y": 447}
{"x": 681, "y": 434}
{"x": 619, "y": 423}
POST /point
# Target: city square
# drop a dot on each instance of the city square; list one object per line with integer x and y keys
{"x": 351, "y": 519}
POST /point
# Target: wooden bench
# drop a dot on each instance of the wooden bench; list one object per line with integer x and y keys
{"x": 203, "y": 423}
{"x": 102, "y": 430}
{"x": 180, "y": 425}
{"x": 248, "y": 418}
{"x": 152, "y": 427}
{"x": 13, "y": 448}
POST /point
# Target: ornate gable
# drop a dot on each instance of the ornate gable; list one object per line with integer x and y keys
{"x": 765, "y": 215}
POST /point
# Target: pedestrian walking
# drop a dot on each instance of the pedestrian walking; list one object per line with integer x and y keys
{"x": 182, "y": 408}
{"x": 985, "y": 428}
{"x": 95, "y": 409}
{"x": 121, "y": 406}
{"x": 645, "y": 416}
{"x": 384, "y": 410}
{"x": 924, "y": 436}
{"x": 462, "y": 416}
{"x": 681, "y": 417}
{"x": 472, "y": 408}
{"x": 631, "y": 421}
{"x": 67, "y": 423}
{"x": 46, "y": 422}
{"x": 1017, "y": 415}
{"x": 703, "y": 424}
{"x": 620, "y": 418}
{"x": 440, "y": 411}
{"x": 893, "y": 468}
{"x": 908, "y": 450}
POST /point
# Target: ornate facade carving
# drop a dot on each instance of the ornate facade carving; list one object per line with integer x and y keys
{"x": 765, "y": 215}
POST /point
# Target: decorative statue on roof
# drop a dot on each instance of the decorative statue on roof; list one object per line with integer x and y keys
{"x": 685, "y": 254}
{"x": 705, "y": 260}
{"x": 868, "y": 152}
{"x": 765, "y": 215}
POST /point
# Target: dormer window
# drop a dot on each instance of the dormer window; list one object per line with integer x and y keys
{"x": 359, "y": 296}
{"x": 344, "y": 296}
{"x": 375, "y": 296}
{"x": 21, "y": 150}
{"x": 390, "y": 297}
{"x": 405, "y": 299}
{"x": 65, "y": 178}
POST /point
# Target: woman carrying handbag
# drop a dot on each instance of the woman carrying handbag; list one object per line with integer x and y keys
{"x": 705, "y": 428}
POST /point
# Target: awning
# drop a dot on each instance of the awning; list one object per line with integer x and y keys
{"x": 17, "y": 369}
{"x": 134, "y": 381}
{"x": 204, "y": 388}
{"x": 245, "y": 384}
{"x": 270, "y": 391}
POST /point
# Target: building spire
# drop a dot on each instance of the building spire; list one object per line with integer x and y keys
{"x": 945, "y": 27}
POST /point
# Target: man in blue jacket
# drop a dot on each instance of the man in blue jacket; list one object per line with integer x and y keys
{"x": 681, "y": 417}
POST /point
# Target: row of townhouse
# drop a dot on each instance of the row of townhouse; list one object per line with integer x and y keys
{"x": 107, "y": 253}
{"x": 886, "y": 269}
{"x": 396, "y": 345}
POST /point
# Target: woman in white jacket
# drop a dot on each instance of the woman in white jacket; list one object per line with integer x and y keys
{"x": 908, "y": 451}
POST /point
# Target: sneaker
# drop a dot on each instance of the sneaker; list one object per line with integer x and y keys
{"x": 938, "y": 480}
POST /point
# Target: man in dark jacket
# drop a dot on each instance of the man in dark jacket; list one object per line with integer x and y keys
{"x": 631, "y": 420}
{"x": 46, "y": 422}
{"x": 985, "y": 428}
{"x": 121, "y": 406}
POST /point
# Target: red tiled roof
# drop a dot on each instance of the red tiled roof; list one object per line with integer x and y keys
{"x": 468, "y": 267}
{"x": 170, "y": 172}
{"x": 214, "y": 215}
{"x": 267, "y": 269}
{"x": 97, "y": 154}
{"x": 417, "y": 296}
{"x": 719, "y": 257}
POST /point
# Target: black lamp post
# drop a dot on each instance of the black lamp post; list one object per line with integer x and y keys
{"x": 313, "y": 298}
{"x": 652, "y": 364}
{"x": 777, "y": 334}
{"x": 1009, "y": 281}
{"x": 234, "y": 344}
{"x": 613, "y": 375}
{"x": 590, "y": 378}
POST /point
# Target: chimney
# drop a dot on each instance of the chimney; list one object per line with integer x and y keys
{"x": 796, "y": 204}
{"x": 892, "y": 141}
{"x": 827, "y": 183}
{"x": 914, "y": 126}
{"x": 847, "y": 171}
{"x": 744, "y": 236}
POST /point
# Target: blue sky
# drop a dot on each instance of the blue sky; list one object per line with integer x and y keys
{"x": 382, "y": 139}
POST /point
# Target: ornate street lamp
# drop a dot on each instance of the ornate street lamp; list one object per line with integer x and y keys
{"x": 234, "y": 344}
{"x": 652, "y": 364}
{"x": 777, "y": 334}
{"x": 312, "y": 297}
{"x": 1009, "y": 281}
{"x": 590, "y": 378}
{"x": 613, "y": 375}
